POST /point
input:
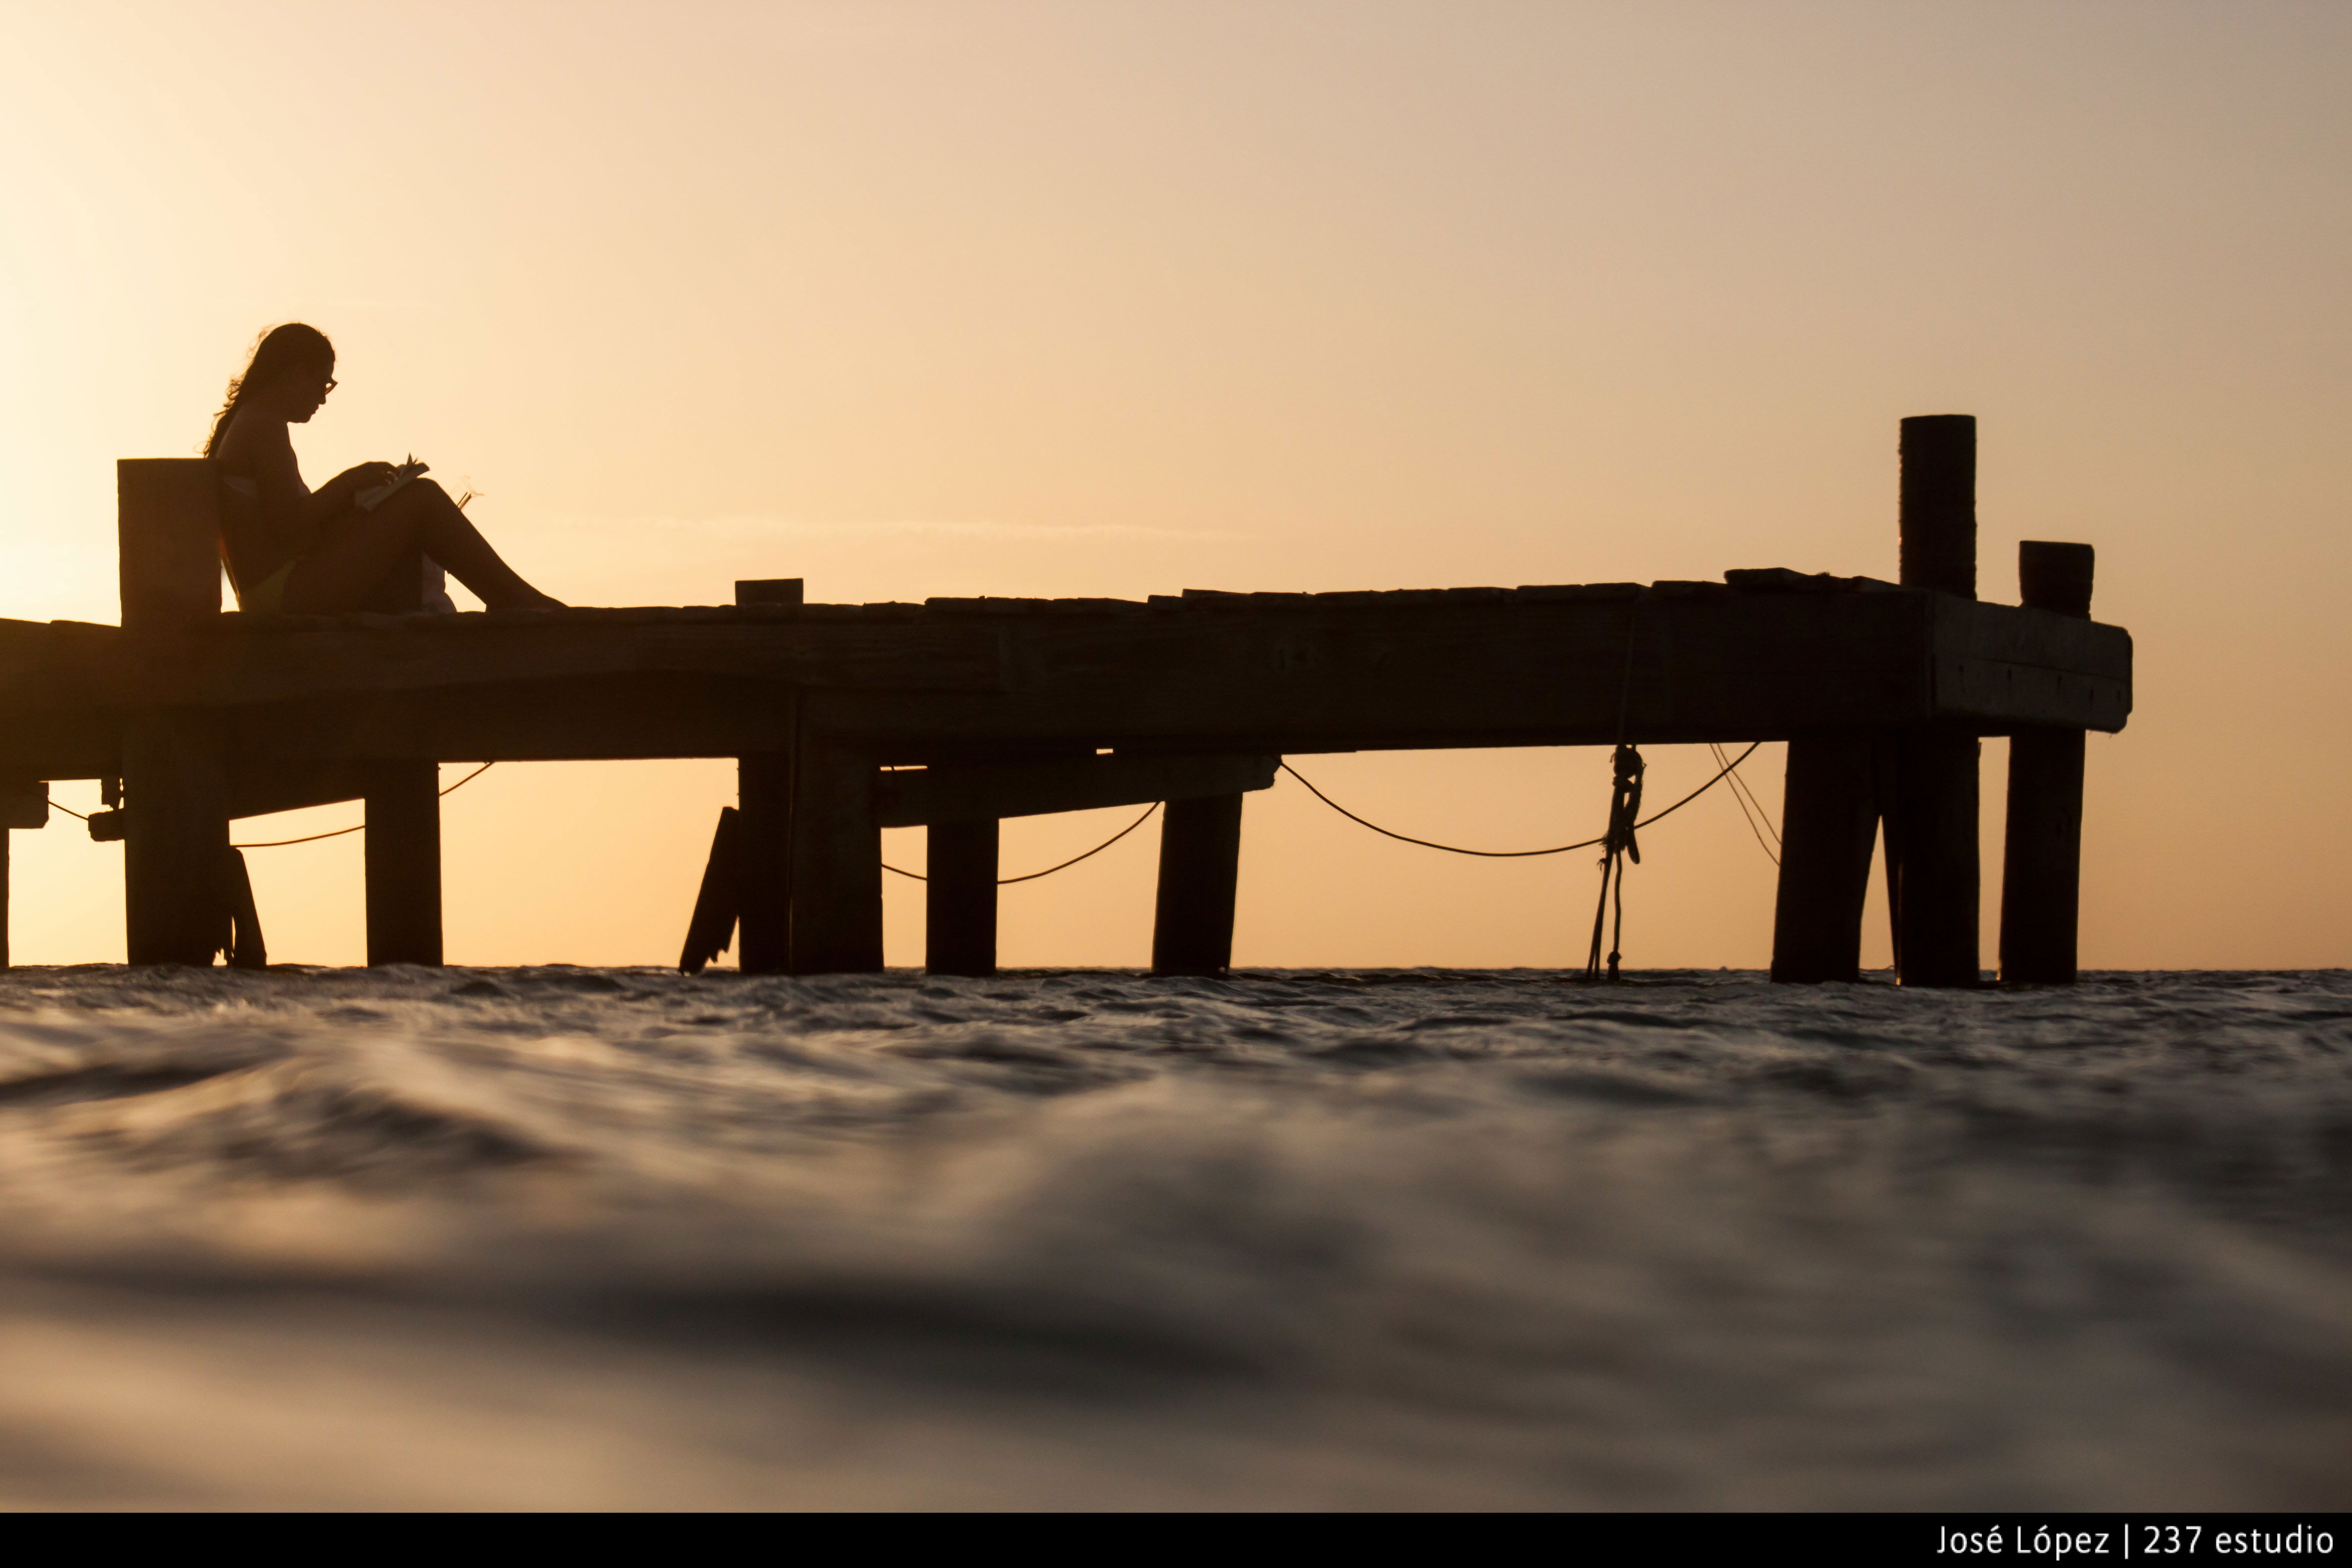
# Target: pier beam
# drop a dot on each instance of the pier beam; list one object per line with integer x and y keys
{"x": 959, "y": 903}
{"x": 24, "y": 802}
{"x": 1932, "y": 841}
{"x": 175, "y": 843}
{"x": 1829, "y": 819}
{"x": 404, "y": 862}
{"x": 836, "y": 862}
{"x": 1200, "y": 869}
{"x": 2042, "y": 851}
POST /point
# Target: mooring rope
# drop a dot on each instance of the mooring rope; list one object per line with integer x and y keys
{"x": 1033, "y": 876}
{"x": 313, "y": 838}
{"x": 1743, "y": 795}
{"x": 1513, "y": 854}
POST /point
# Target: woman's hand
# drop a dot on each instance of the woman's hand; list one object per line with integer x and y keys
{"x": 361, "y": 476}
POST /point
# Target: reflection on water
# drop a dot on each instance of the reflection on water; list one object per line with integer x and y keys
{"x": 566, "y": 1236}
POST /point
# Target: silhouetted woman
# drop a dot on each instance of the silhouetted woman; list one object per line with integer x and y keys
{"x": 297, "y": 551}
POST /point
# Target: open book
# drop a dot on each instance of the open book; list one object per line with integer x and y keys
{"x": 375, "y": 496}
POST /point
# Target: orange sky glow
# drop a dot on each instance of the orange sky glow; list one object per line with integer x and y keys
{"x": 1107, "y": 298}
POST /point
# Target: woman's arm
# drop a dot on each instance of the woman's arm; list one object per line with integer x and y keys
{"x": 339, "y": 494}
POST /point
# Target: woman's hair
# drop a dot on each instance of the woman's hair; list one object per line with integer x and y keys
{"x": 280, "y": 349}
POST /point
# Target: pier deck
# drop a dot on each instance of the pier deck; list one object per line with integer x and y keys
{"x": 1014, "y": 706}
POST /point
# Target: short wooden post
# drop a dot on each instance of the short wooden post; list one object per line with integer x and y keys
{"x": 1934, "y": 846}
{"x": 1829, "y": 818}
{"x": 404, "y": 862}
{"x": 836, "y": 861}
{"x": 1200, "y": 869}
{"x": 2042, "y": 851}
{"x": 960, "y": 899}
{"x": 175, "y": 796}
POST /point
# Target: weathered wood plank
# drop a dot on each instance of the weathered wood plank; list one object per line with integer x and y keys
{"x": 718, "y": 903}
{"x": 986, "y": 792}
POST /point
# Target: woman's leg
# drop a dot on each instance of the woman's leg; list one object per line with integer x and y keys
{"x": 359, "y": 550}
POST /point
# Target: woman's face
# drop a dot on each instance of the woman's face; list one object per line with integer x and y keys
{"x": 299, "y": 392}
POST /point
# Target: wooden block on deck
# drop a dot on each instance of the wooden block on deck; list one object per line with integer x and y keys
{"x": 167, "y": 540}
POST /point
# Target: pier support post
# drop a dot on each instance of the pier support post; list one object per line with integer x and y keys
{"x": 959, "y": 903}
{"x": 1200, "y": 869}
{"x": 175, "y": 843}
{"x": 1829, "y": 819}
{"x": 763, "y": 796}
{"x": 404, "y": 862}
{"x": 836, "y": 862}
{"x": 763, "y": 793}
{"x": 1932, "y": 841}
{"x": 2042, "y": 851}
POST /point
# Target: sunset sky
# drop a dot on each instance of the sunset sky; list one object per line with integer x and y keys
{"x": 1102, "y": 298}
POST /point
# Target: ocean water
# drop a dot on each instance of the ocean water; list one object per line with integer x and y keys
{"x": 1083, "y": 1238}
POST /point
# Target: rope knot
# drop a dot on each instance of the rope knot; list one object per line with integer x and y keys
{"x": 1626, "y": 804}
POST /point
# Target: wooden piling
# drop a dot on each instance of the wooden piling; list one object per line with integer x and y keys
{"x": 764, "y": 794}
{"x": 175, "y": 841}
{"x": 403, "y": 863}
{"x": 1933, "y": 846}
{"x": 837, "y": 852}
{"x": 959, "y": 903}
{"x": 1200, "y": 869}
{"x": 1829, "y": 818}
{"x": 2042, "y": 850}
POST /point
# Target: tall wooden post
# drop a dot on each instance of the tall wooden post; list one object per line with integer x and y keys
{"x": 175, "y": 843}
{"x": 2042, "y": 852}
{"x": 836, "y": 861}
{"x": 1200, "y": 871}
{"x": 763, "y": 793}
{"x": 1932, "y": 840}
{"x": 960, "y": 900}
{"x": 1829, "y": 818}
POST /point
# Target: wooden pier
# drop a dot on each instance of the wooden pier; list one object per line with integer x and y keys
{"x": 955, "y": 714}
